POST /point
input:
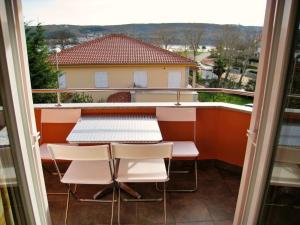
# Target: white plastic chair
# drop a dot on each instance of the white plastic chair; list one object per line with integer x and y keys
{"x": 55, "y": 116}
{"x": 46, "y": 158}
{"x": 142, "y": 163}
{"x": 90, "y": 165}
{"x": 182, "y": 149}
{"x": 185, "y": 149}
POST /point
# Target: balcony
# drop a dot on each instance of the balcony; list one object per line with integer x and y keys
{"x": 219, "y": 133}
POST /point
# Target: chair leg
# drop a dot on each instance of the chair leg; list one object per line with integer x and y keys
{"x": 184, "y": 190}
{"x": 112, "y": 206}
{"x": 67, "y": 206}
{"x": 75, "y": 188}
{"x": 196, "y": 175}
{"x": 165, "y": 204}
{"x": 119, "y": 204}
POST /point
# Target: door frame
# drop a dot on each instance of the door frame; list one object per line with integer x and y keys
{"x": 276, "y": 44}
{"x": 19, "y": 114}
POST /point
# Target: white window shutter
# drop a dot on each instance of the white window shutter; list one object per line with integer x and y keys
{"x": 62, "y": 82}
{"x": 174, "y": 79}
{"x": 101, "y": 80}
{"x": 140, "y": 78}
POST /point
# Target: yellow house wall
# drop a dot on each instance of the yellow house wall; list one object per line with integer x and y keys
{"x": 120, "y": 77}
{"x": 164, "y": 97}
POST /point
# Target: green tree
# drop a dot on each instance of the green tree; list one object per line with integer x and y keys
{"x": 82, "y": 98}
{"x": 42, "y": 74}
{"x": 250, "y": 86}
{"x": 219, "y": 69}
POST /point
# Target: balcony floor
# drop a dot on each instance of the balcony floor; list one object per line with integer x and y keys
{"x": 213, "y": 203}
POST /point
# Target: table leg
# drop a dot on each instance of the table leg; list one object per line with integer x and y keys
{"x": 101, "y": 193}
{"x": 107, "y": 190}
{"x": 130, "y": 191}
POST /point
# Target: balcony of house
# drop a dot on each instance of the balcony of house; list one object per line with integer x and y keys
{"x": 219, "y": 132}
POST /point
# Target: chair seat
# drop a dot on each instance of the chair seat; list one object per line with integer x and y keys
{"x": 148, "y": 170}
{"x": 184, "y": 149}
{"x": 88, "y": 172}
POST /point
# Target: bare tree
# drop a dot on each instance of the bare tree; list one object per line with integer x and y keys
{"x": 248, "y": 51}
{"x": 227, "y": 41}
{"x": 237, "y": 48}
{"x": 193, "y": 39}
{"x": 63, "y": 38}
{"x": 164, "y": 37}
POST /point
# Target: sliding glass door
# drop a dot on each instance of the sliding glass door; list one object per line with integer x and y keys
{"x": 10, "y": 201}
{"x": 281, "y": 203}
{"x": 23, "y": 198}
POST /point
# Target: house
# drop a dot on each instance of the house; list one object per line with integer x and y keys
{"x": 119, "y": 61}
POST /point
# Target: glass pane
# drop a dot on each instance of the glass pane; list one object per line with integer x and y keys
{"x": 10, "y": 211}
{"x": 282, "y": 197}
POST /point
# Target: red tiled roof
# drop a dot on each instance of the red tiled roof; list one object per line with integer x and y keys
{"x": 116, "y": 49}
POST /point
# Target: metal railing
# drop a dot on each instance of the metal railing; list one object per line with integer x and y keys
{"x": 177, "y": 90}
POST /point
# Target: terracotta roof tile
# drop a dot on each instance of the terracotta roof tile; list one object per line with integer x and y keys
{"x": 118, "y": 49}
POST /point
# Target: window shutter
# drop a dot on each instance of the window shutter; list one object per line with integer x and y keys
{"x": 174, "y": 79}
{"x": 101, "y": 80}
{"x": 140, "y": 79}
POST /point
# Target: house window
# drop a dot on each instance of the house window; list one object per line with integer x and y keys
{"x": 101, "y": 80}
{"x": 62, "y": 82}
{"x": 140, "y": 79}
{"x": 174, "y": 79}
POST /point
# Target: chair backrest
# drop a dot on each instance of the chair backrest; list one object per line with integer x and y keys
{"x": 142, "y": 151}
{"x": 176, "y": 114}
{"x": 53, "y": 119}
{"x": 67, "y": 152}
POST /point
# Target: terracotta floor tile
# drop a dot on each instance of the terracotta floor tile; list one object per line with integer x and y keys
{"x": 212, "y": 204}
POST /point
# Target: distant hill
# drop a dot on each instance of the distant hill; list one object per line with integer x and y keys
{"x": 147, "y": 32}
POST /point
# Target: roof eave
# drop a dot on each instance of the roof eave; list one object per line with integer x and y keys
{"x": 127, "y": 64}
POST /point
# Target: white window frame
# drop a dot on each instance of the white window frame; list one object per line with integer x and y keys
{"x": 140, "y": 79}
{"x": 174, "y": 74}
{"x": 101, "y": 79}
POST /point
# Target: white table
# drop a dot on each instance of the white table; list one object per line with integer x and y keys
{"x": 108, "y": 128}
{"x": 119, "y": 128}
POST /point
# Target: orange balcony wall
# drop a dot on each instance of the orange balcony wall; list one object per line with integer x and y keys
{"x": 219, "y": 131}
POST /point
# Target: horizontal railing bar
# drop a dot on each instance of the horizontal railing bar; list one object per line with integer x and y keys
{"x": 209, "y": 90}
{"x": 294, "y": 96}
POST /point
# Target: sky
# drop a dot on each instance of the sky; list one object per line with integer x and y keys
{"x": 113, "y": 12}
